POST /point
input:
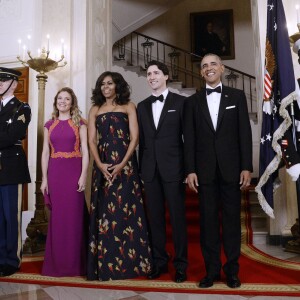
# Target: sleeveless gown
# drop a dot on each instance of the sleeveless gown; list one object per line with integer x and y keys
{"x": 65, "y": 253}
{"x": 118, "y": 238}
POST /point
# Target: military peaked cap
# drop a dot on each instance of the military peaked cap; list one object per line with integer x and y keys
{"x": 8, "y": 74}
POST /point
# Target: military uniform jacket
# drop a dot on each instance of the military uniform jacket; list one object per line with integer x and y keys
{"x": 14, "y": 120}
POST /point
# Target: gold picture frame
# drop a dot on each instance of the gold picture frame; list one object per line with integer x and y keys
{"x": 213, "y": 32}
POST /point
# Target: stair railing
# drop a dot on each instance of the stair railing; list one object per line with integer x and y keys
{"x": 138, "y": 49}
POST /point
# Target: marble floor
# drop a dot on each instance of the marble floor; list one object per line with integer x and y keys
{"x": 10, "y": 291}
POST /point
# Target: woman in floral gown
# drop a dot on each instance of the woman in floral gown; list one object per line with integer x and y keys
{"x": 118, "y": 238}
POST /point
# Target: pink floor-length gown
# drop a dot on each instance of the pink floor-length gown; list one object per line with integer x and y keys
{"x": 65, "y": 253}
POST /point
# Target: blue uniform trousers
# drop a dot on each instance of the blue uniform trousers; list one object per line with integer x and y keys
{"x": 10, "y": 224}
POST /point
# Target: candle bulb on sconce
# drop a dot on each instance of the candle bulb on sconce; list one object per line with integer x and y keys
{"x": 42, "y": 63}
{"x": 48, "y": 42}
{"x": 29, "y": 41}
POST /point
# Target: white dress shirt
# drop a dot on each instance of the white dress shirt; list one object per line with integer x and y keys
{"x": 157, "y": 107}
{"x": 6, "y": 100}
{"x": 213, "y": 102}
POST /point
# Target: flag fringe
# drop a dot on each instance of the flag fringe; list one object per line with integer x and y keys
{"x": 274, "y": 164}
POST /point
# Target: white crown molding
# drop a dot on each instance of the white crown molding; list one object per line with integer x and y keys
{"x": 128, "y": 15}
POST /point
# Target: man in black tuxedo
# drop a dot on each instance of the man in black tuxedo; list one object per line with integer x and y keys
{"x": 14, "y": 119}
{"x": 218, "y": 162}
{"x": 161, "y": 165}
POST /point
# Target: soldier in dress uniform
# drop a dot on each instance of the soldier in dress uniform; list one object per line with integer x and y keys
{"x": 14, "y": 119}
{"x": 291, "y": 156}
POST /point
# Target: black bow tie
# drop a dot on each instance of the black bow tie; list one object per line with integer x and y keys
{"x": 217, "y": 90}
{"x": 159, "y": 98}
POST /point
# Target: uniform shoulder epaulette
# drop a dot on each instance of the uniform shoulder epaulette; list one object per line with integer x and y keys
{"x": 25, "y": 104}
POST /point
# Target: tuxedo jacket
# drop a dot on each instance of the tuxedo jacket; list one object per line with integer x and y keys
{"x": 14, "y": 119}
{"x": 161, "y": 148}
{"x": 229, "y": 146}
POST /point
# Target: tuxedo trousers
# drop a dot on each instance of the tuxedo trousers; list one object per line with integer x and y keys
{"x": 220, "y": 223}
{"x": 158, "y": 194}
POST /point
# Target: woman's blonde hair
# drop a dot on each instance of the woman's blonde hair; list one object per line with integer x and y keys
{"x": 74, "y": 110}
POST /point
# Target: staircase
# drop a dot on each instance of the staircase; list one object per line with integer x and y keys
{"x": 259, "y": 219}
{"x": 136, "y": 78}
{"x": 135, "y": 50}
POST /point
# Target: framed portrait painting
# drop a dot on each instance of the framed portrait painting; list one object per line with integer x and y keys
{"x": 212, "y": 32}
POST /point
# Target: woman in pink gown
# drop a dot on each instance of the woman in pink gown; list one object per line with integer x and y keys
{"x": 64, "y": 167}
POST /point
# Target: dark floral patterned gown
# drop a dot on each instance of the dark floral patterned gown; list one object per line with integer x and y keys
{"x": 118, "y": 238}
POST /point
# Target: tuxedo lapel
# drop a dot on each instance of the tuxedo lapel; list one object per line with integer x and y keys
{"x": 148, "y": 106}
{"x": 165, "y": 109}
{"x": 204, "y": 108}
{"x": 223, "y": 104}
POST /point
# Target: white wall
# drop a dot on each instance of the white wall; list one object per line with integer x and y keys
{"x": 128, "y": 15}
{"x": 17, "y": 19}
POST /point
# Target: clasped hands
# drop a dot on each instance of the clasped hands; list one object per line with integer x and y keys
{"x": 110, "y": 171}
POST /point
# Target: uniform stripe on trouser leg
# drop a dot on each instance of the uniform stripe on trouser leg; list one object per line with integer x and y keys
{"x": 19, "y": 250}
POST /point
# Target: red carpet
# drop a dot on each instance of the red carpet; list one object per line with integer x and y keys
{"x": 260, "y": 273}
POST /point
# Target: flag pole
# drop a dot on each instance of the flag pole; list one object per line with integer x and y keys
{"x": 292, "y": 113}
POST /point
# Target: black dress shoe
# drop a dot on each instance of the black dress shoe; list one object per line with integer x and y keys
{"x": 8, "y": 270}
{"x": 180, "y": 276}
{"x": 157, "y": 271}
{"x": 233, "y": 281}
{"x": 208, "y": 281}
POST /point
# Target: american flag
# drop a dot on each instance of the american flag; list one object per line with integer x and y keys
{"x": 267, "y": 85}
{"x": 279, "y": 92}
